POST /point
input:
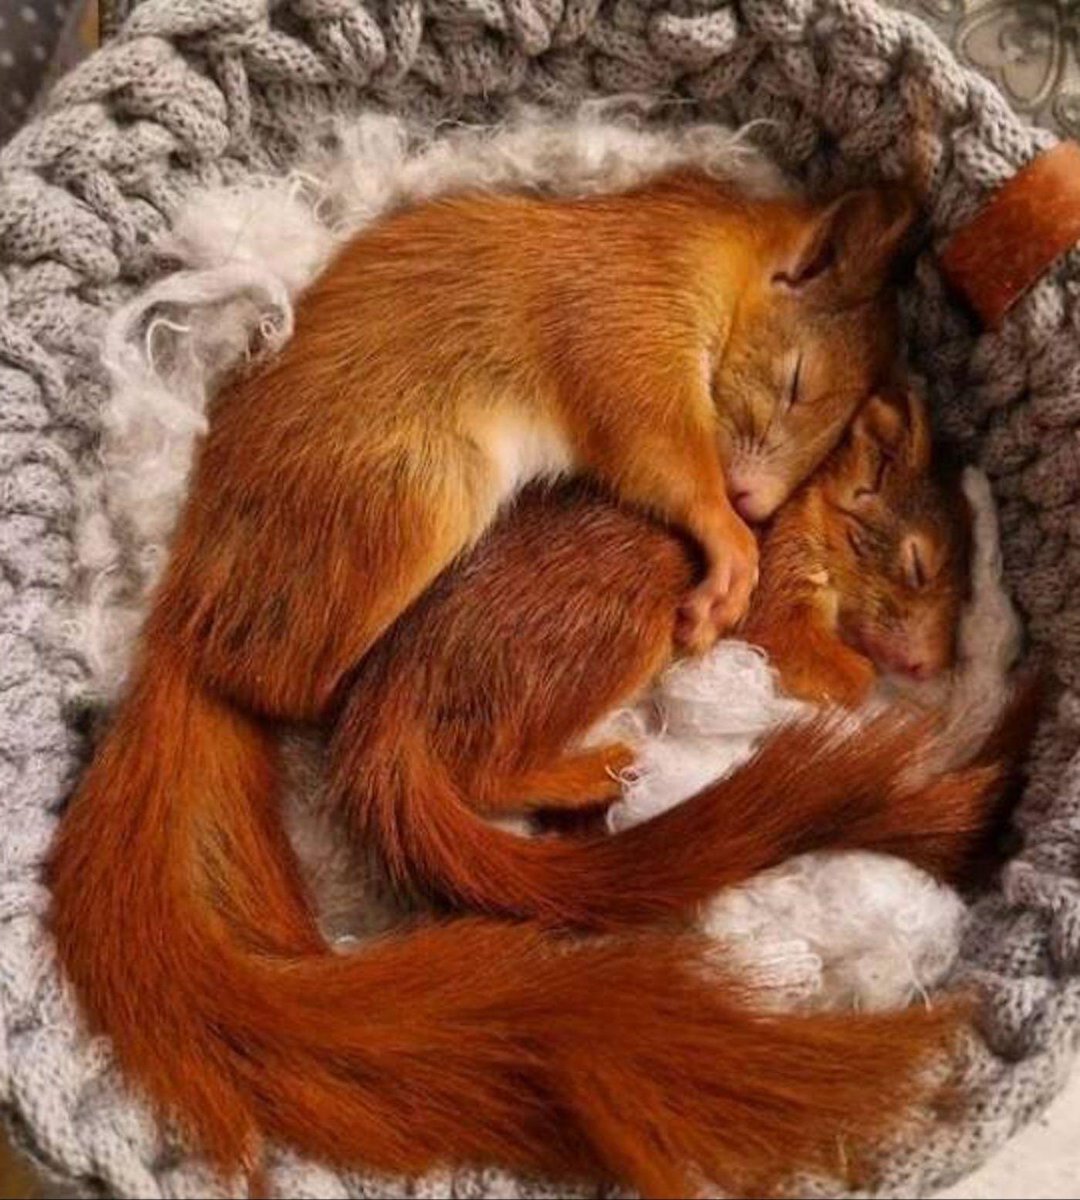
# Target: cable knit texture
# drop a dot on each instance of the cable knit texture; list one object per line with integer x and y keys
{"x": 197, "y": 91}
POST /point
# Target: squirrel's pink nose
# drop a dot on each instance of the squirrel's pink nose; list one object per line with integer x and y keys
{"x": 752, "y": 504}
{"x": 741, "y": 502}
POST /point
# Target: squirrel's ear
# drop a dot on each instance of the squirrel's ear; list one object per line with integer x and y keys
{"x": 876, "y": 432}
{"x": 898, "y": 423}
{"x": 845, "y": 249}
{"x": 919, "y": 443}
{"x": 890, "y": 427}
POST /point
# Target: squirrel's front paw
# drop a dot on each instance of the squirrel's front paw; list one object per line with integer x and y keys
{"x": 845, "y": 680}
{"x": 720, "y": 601}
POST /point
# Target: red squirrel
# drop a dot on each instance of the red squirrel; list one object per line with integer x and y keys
{"x": 476, "y": 697}
{"x": 869, "y": 565}
{"x": 652, "y": 340}
{"x": 183, "y": 922}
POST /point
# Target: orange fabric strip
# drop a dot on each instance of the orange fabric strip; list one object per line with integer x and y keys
{"x": 1027, "y": 224}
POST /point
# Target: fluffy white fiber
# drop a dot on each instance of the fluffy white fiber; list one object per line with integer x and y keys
{"x": 823, "y": 930}
{"x": 701, "y": 721}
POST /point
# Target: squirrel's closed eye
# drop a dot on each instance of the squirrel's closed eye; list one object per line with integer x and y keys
{"x": 856, "y": 542}
{"x": 793, "y": 386}
{"x": 914, "y": 566}
{"x": 880, "y": 468}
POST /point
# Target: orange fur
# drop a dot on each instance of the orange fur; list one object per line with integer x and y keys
{"x": 181, "y": 919}
{"x": 182, "y": 922}
{"x": 437, "y": 365}
{"x": 563, "y": 612}
{"x": 647, "y": 339}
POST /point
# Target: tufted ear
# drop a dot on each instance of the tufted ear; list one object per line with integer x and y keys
{"x": 892, "y": 427}
{"x": 845, "y": 249}
{"x": 919, "y": 442}
{"x": 898, "y": 423}
{"x": 891, "y": 430}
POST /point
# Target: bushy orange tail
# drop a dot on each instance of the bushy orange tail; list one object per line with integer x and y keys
{"x": 182, "y": 921}
{"x": 810, "y": 786}
{"x": 959, "y": 826}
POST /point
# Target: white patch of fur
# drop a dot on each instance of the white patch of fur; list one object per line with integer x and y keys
{"x": 522, "y": 449}
{"x": 244, "y": 254}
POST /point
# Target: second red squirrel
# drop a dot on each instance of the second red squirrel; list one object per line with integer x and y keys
{"x": 867, "y": 568}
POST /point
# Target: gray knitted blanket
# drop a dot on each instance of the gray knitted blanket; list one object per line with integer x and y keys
{"x": 197, "y": 91}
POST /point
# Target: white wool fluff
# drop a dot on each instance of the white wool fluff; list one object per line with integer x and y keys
{"x": 842, "y": 929}
{"x": 835, "y": 930}
{"x": 348, "y": 889}
{"x": 987, "y": 646}
{"x": 709, "y": 713}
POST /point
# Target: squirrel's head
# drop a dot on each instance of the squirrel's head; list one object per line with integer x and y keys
{"x": 898, "y": 535}
{"x": 812, "y": 333}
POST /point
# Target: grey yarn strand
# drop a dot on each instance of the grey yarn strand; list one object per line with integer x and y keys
{"x": 196, "y": 90}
